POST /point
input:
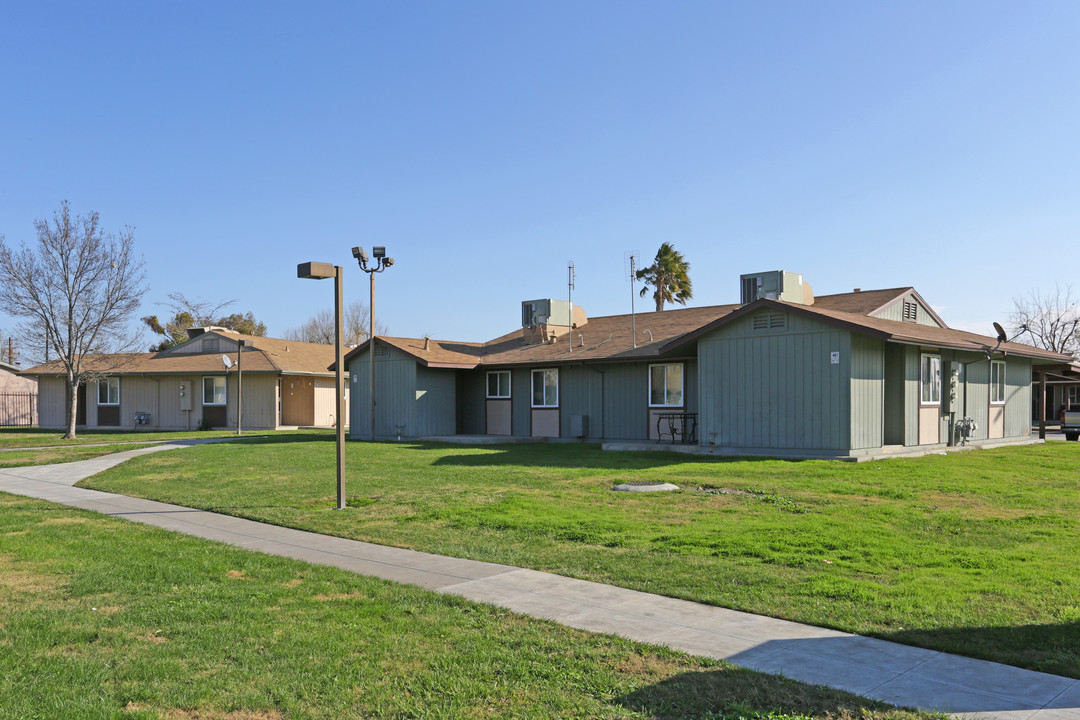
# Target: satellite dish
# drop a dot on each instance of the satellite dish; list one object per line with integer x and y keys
{"x": 1001, "y": 336}
{"x": 228, "y": 362}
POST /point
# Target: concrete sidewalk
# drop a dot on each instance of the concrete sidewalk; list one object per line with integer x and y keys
{"x": 898, "y": 674}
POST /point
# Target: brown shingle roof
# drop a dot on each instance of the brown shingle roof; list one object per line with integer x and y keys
{"x": 862, "y": 302}
{"x": 892, "y": 331}
{"x": 610, "y": 338}
{"x": 601, "y": 338}
{"x": 264, "y": 355}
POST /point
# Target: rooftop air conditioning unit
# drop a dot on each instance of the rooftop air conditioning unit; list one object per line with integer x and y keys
{"x": 775, "y": 285}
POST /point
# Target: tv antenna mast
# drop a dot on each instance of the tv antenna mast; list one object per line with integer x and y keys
{"x": 570, "y": 276}
{"x": 631, "y": 260}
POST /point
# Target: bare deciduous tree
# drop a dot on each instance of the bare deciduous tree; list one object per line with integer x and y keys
{"x": 319, "y": 328}
{"x": 1048, "y": 320}
{"x": 77, "y": 290}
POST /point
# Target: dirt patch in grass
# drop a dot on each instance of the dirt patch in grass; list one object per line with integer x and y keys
{"x": 292, "y": 583}
{"x": 25, "y": 581}
{"x": 64, "y": 521}
{"x": 237, "y": 575}
{"x": 204, "y": 713}
{"x": 330, "y": 597}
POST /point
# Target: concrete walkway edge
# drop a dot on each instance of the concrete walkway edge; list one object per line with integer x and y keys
{"x": 899, "y": 674}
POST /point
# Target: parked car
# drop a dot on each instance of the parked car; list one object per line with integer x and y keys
{"x": 1070, "y": 422}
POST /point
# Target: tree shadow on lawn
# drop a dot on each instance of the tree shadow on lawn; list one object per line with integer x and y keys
{"x": 282, "y": 439}
{"x": 576, "y": 455}
{"x": 738, "y": 692}
{"x": 1050, "y": 648}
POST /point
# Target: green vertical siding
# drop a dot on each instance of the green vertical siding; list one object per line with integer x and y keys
{"x": 867, "y": 392}
{"x": 978, "y": 397}
{"x": 418, "y": 399}
{"x": 775, "y": 390}
{"x": 626, "y": 401}
{"x": 433, "y": 410}
{"x": 911, "y": 395}
{"x": 896, "y": 312}
{"x": 1017, "y": 397}
{"x": 580, "y": 391}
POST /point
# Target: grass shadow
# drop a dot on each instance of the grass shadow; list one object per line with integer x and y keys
{"x": 709, "y": 694}
{"x": 579, "y": 455}
{"x": 1051, "y": 648}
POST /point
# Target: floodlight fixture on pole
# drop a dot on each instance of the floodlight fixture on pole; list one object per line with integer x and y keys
{"x": 322, "y": 271}
{"x": 382, "y": 262}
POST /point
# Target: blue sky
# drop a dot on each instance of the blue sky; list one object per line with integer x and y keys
{"x": 486, "y": 144}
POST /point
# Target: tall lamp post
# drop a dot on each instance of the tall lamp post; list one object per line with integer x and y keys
{"x": 321, "y": 271}
{"x": 240, "y": 345}
{"x": 382, "y": 262}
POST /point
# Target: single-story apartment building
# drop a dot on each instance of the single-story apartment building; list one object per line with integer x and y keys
{"x": 194, "y": 385}
{"x": 781, "y": 373}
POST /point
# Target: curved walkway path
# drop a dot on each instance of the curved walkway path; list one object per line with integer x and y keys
{"x": 898, "y": 674}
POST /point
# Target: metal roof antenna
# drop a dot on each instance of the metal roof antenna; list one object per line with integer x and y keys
{"x": 570, "y": 276}
{"x": 631, "y": 259}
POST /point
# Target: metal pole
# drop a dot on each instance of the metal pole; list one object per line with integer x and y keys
{"x": 633, "y": 318}
{"x": 371, "y": 351}
{"x": 339, "y": 378}
{"x": 1042, "y": 405}
{"x": 239, "y": 384}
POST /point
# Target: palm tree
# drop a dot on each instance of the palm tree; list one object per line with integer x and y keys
{"x": 669, "y": 275}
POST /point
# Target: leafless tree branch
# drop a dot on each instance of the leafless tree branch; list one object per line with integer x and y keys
{"x": 76, "y": 290}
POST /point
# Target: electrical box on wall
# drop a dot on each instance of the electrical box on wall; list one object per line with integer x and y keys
{"x": 185, "y": 395}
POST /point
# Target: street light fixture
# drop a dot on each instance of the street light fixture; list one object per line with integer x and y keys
{"x": 381, "y": 263}
{"x": 321, "y": 271}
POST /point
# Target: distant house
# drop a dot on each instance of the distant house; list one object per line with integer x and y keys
{"x": 1061, "y": 384}
{"x": 189, "y": 386}
{"x": 782, "y": 373}
{"x": 18, "y": 398}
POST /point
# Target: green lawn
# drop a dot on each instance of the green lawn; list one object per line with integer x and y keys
{"x": 49, "y": 456}
{"x": 38, "y": 437}
{"x": 187, "y": 629}
{"x": 973, "y": 553}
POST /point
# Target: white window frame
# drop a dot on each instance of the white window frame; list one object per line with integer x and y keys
{"x": 225, "y": 383}
{"x": 682, "y": 385}
{"x": 498, "y": 383}
{"x": 108, "y": 384}
{"x": 544, "y": 373}
{"x": 1072, "y": 395}
{"x": 935, "y": 383}
{"x": 998, "y": 387}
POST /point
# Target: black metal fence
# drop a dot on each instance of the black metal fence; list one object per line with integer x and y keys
{"x": 18, "y": 409}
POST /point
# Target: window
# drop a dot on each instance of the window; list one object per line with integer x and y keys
{"x": 545, "y": 387}
{"x": 213, "y": 390}
{"x": 666, "y": 385}
{"x": 108, "y": 391}
{"x": 931, "y": 380}
{"x": 211, "y": 344}
{"x": 498, "y": 384}
{"x": 997, "y": 382}
{"x": 911, "y": 311}
{"x": 1074, "y": 395}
